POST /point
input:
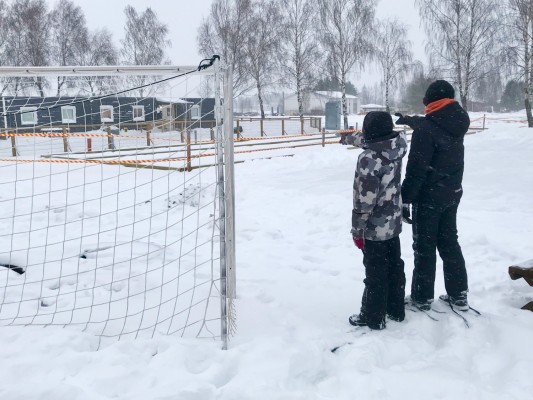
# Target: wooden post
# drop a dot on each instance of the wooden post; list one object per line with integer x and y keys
{"x": 110, "y": 142}
{"x": 238, "y": 129}
{"x": 212, "y": 133}
{"x": 89, "y": 145}
{"x": 301, "y": 126}
{"x": 14, "y": 151}
{"x": 65, "y": 140}
{"x": 189, "y": 167}
{"x": 483, "y": 121}
{"x": 262, "y": 132}
{"x": 181, "y": 132}
{"x": 323, "y": 138}
{"x": 320, "y": 124}
{"x": 282, "y": 127}
{"x": 148, "y": 128}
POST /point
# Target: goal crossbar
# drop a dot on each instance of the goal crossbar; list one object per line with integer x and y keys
{"x": 109, "y": 70}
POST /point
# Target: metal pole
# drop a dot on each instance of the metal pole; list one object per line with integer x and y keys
{"x": 224, "y": 317}
{"x": 189, "y": 166}
{"x": 230, "y": 183}
{"x": 5, "y": 115}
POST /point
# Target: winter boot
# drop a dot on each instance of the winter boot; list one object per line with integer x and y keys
{"x": 458, "y": 303}
{"x": 421, "y": 305}
{"x": 360, "y": 320}
{"x": 396, "y": 317}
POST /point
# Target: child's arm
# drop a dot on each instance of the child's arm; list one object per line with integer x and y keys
{"x": 365, "y": 192}
{"x": 418, "y": 165}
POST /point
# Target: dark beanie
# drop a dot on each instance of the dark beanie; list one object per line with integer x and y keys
{"x": 377, "y": 126}
{"x": 438, "y": 90}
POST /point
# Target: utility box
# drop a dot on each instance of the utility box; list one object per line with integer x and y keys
{"x": 333, "y": 115}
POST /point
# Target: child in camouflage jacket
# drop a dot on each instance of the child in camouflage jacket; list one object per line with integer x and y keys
{"x": 377, "y": 221}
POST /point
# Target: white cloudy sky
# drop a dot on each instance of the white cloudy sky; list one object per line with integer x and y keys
{"x": 184, "y": 16}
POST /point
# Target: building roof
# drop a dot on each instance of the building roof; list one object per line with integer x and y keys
{"x": 171, "y": 100}
{"x": 325, "y": 94}
{"x": 373, "y": 106}
{"x": 334, "y": 95}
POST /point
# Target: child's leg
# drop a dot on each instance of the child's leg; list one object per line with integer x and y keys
{"x": 374, "y": 302}
{"x": 425, "y": 233}
{"x": 395, "y": 300}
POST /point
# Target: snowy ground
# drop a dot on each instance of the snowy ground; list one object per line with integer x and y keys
{"x": 299, "y": 278}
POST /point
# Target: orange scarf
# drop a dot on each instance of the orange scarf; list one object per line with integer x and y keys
{"x": 437, "y": 105}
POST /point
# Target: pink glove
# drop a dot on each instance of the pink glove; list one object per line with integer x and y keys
{"x": 359, "y": 242}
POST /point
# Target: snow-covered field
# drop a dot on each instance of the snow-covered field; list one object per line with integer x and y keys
{"x": 299, "y": 277}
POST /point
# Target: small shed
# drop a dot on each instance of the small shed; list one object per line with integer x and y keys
{"x": 366, "y": 108}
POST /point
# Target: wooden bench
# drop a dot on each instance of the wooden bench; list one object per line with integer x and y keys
{"x": 523, "y": 270}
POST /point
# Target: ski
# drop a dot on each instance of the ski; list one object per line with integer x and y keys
{"x": 14, "y": 268}
{"x": 359, "y": 331}
{"x": 425, "y": 312}
{"x": 465, "y": 320}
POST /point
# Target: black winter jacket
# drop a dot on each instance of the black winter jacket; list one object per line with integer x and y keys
{"x": 436, "y": 159}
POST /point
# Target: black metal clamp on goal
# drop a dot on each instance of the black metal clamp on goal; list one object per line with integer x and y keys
{"x": 208, "y": 62}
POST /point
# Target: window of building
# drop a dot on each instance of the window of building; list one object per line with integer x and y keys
{"x": 68, "y": 114}
{"x": 28, "y": 115}
{"x": 138, "y": 113}
{"x": 195, "y": 112}
{"x": 106, "y": 113}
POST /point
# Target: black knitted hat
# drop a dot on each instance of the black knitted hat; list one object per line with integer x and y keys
{"x": 377, "y": 126}
{"x": 438, "y": 90}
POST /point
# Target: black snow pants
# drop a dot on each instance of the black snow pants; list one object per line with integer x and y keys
{"x": 435, "y": 228}
{"x": 384, "y": 283}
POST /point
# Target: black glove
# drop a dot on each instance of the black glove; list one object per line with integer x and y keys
{"x": 406, "y": 214}
{"x": 343, "y": 139}
{"x": 402, "y": 120}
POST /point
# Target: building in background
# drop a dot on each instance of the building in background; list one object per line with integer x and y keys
{"x": 315, "y": 103}
{"x": 366, "y": 108}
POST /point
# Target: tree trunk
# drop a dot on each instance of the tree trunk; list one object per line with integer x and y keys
{"x": 527, "y": 103}
{"x": 344, "y": 107}
{"x": 464, "y": 102}
{"x": 39, "y": 84}
{"x": 387, "y": 96}
{"x": 300, "y": 104}
{"x": 260, "y": 98}
{"x": 527, "y": 76}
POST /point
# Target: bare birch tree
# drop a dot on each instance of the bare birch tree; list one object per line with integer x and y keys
{"x": 3, "y": 30}
{"x": 461, "y": 39}
{"x": 145, "y": 41}
{"x": 299, "y": 47}
{"x": 345, "y": 34}
{"x": 223, "y": 32}
{"x": 28, "y": 37}
{"x": 3, "y": 43}
{"x": 261, "y": 48}
{"x": 98, "y": 50}
{"x": 520, "y": 50}
{"x": 394, "y": 55}
{"x": 69, "y": 35}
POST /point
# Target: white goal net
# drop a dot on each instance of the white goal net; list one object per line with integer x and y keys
{"x": 116, "y": 200}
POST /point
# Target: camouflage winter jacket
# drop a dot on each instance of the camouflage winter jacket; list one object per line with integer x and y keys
{"x": 377, "y": 209}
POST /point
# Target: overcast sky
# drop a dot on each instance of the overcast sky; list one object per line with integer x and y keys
{"x": 184, "y": 16}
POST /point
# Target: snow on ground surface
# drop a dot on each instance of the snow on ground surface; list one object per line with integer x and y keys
{"x": 300, "y": 277}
